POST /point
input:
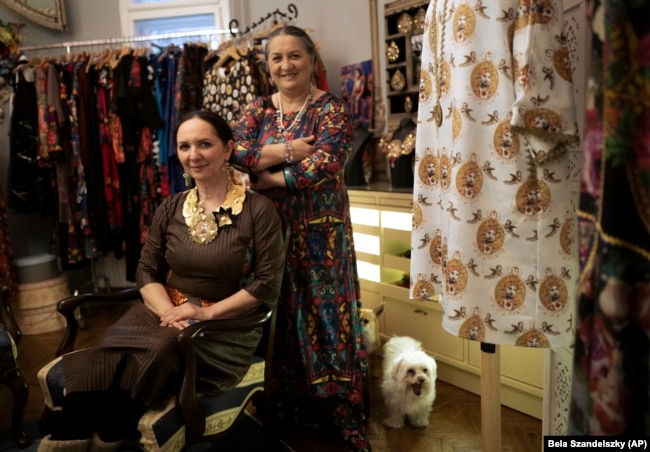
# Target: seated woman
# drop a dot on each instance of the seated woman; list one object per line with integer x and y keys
{"x": 215, "y": 251}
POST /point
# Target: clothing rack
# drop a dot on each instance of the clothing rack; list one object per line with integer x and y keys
{"x": 233, "y": 26}
{"x": 127, "y": 40}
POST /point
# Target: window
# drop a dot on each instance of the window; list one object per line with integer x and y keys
{"x": 154, "y": 17}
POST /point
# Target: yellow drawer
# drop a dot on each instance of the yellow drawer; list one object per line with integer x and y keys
{"x": 522, "y": 364}
{"x": 425, "y": 325}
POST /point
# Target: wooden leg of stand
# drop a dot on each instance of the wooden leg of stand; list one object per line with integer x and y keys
{"x": 490, "y": 398}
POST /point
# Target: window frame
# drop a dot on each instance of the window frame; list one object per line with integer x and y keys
{"x": 130, "y": 13}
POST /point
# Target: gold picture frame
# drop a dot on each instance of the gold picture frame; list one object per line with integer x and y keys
{"x": 48, "y": 13}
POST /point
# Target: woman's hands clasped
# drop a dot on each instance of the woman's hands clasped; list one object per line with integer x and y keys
{"x": 182, "y": 316}
{"x": 302, "y": 147}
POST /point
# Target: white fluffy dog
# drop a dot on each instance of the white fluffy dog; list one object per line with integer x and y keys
{"x": 408, "y": 383}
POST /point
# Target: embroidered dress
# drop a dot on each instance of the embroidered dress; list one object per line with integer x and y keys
{"x": 609, "y": 395}
{"x": 227, "y": 94}
{"x": 496, "y": 172}
{"x": 9, "y": 275}
{"x": 320, "y": 372}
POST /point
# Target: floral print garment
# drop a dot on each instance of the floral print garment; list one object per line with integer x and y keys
{"x": 611, "y": 373}
{"x": 320, "y": 373}
{"x": 496, "y": 178}
{"x": 8, "y": 271}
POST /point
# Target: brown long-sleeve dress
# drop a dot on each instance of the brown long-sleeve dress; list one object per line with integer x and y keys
{"x": 137, "y": 354}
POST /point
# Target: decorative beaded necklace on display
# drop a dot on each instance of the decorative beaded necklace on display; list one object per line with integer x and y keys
{"x": 439, "y": 59}
{"x": 202, "y": 227}
{"x": 285, "y": 132}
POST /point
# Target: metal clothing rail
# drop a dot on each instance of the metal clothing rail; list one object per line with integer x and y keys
{"x": 126, "y": 40}
{"x": 234, "y": 23}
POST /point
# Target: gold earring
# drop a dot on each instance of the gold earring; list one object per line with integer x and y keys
{"x": 188, "y": 179}
{"x": 225, "y": 168}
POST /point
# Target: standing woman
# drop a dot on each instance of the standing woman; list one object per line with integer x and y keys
{"x": 295, "y": 144}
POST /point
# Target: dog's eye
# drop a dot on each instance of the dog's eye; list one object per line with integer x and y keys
{"x": 411, "y": 372}
{"x": 364, "y": 321}
{"x": 425, "y": 370}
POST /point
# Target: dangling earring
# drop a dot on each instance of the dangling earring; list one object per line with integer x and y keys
{"x": 230, "y": 171}
{"x": 188, "y": 179}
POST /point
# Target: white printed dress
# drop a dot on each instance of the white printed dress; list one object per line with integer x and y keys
{"x": 496, "y": 181}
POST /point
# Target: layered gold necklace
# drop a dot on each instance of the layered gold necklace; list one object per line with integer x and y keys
{"x": 202, "y": 227}
{"x": 286, "y": 132}
{"x": 439, "y": 58}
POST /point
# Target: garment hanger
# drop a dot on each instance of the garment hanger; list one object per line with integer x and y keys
{"x": 168, "y": 49}
{"x": 230, "y": 53}
{"x": 263, "y": 34}
{"x": 97, "y": 60}
{"x": 25, "y": 64}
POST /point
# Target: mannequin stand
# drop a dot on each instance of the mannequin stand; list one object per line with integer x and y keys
{"x": 490, "y": 398}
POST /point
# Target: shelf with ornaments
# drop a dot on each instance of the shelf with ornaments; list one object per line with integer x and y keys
{"x": 404, "y": 28}
{"x": 403, "y": 103}
{"x": 396, "y": 51}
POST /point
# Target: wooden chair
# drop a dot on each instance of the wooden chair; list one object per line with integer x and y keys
{"x": 10, "y": 376}
{"x": 189, "y": 418}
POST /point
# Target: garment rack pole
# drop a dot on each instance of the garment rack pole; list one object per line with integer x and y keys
{"x": 126, "y": 40}
{"x": 490, "y": 397}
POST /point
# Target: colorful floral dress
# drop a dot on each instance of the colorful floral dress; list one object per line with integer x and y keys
{"x": 496, "y": 172}
{"x": 611, "y": 371}
{"x": 320, "y": 373}
{"x": 8, "y": 273}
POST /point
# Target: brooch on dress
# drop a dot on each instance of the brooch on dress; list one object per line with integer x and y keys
{"x": 202, "y": 227}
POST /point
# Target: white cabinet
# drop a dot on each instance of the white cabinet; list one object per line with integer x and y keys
{"x": 382, "y": 233}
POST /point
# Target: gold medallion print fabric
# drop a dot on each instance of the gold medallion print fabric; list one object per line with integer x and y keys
{"x": 496, "y": 173}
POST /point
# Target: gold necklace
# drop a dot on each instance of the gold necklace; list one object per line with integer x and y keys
{"x": 281, "y": 129}
{"x": 202, "y": 227}
{"x": 439, "y": 59}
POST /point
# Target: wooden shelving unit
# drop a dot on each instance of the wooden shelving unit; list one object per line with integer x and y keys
{"x": 403, "y": 34}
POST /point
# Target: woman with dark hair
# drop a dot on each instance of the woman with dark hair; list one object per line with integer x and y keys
{"x": 294, "y": 144}
{"x": 214, "y": 251}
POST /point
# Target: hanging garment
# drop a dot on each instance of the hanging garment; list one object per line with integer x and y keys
{"x": 41, "y": 73}
{"x": 91, "y": 156}
{"x": 227, "y": 90}
{"x": 495, "y": 179}
{"x": 30, "y": 179}
{"x": 8, "y": 274}
{"x": 71, "y": 240}
{"x": 609, "y": 395}
{"x": 189, "y": 79}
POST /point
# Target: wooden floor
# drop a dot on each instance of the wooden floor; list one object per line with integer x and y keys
{"x": 455, "y": 423}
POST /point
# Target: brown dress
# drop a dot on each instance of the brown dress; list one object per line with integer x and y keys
{"x": 137, "y": 354}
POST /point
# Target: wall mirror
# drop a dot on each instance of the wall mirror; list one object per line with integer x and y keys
{"x": 48, "y": 13}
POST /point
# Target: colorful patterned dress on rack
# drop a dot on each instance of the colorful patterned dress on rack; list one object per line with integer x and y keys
{"x": 496, "y": 176}
{"x": 227, "y": 90}
{"x": 320, "y": 373}
{"x": 611, "y": 372}
{"x": 8, "y": 273}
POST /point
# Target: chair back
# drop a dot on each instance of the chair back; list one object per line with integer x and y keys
{"x": 6, "y": 316}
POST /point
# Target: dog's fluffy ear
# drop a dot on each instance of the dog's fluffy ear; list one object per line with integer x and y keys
{"x": 397, "y": 367}
{"x": 379, "y": 309}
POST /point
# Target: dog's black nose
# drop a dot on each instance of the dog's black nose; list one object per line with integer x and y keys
{"x": 421, "y": 380}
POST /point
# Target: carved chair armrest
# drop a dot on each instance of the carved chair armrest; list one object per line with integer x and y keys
{"x": 193, "y": 416}
{"x": 68, "y": 305}
{"x": 6, "y": 316}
